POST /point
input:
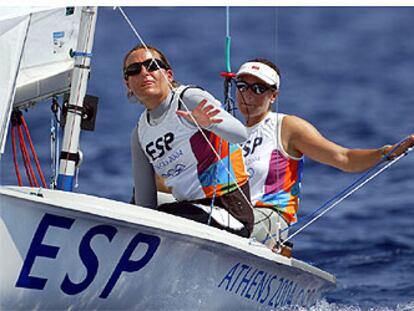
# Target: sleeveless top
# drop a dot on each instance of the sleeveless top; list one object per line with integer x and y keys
{"x": 275, "y": 176}
{"x": 179, "y": 152}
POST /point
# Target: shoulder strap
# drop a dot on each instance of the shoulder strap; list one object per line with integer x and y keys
{"x": 181, "y": 92}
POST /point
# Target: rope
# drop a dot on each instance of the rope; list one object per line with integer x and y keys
{"x": 17, "y": 121}
{"x": 16, "y": 164}
{"x": 39, "y": 170}
{"x": 227, "y": 88}
{"x": 26, "y": 159}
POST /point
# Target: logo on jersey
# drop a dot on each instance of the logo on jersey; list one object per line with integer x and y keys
{"x": 172, "y": 157}
{"x": 157, "y": 149}
{"x": 177, "y": 170}
{"x": 250, "y": 146}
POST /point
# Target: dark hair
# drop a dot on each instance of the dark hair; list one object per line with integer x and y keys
{"x": 269, "y": 63}
{"x": 151, "y": 48}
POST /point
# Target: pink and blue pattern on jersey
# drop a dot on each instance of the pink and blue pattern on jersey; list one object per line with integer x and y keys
{"x": 282, "y": 186}
{"x": 212, "y": 173}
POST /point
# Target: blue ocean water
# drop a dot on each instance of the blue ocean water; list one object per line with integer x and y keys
{"x": 349, "y": 71}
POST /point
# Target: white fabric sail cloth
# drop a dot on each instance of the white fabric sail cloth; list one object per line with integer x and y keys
{"x": 35, "y": 54}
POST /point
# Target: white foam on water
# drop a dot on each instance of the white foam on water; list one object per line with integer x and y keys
{"x": 323, "y": 305}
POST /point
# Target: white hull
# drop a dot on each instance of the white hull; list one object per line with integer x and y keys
{"x": 65, "y": 250}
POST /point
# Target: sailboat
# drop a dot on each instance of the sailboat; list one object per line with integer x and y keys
{"x": 67, "y": 250}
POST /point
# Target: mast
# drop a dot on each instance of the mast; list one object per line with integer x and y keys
{"x": 70, "y": 156}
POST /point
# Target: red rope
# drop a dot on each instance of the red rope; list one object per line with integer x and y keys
{"x": 16, "y": 165}
{"x": 26, "y": 159}
{"x": 23, "y": 158}
{"x": 17, "y": 121}
{"x": 39, "y": 170}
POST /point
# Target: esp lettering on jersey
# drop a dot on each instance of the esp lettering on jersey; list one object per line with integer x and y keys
{"x": 250, "y": 146}
{"x": 156, "y": 149}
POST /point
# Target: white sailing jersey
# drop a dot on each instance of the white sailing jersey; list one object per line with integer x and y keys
{"x": 275, "y": 176}
{"x": 180, "y": 153}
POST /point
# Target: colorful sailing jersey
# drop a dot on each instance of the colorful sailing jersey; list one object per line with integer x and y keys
{"x": 189, "y": 166}
{"x": 275, "y": 176}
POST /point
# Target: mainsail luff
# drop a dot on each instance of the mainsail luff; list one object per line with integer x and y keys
{"x": 69, "y": 156}
{"x": 14, "y": 28}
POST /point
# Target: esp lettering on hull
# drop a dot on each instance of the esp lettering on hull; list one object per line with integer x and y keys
{"x": 88, "y": 257}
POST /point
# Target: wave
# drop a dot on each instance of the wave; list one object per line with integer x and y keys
{"x": 323, "y": 305}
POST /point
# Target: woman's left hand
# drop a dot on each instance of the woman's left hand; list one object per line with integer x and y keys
{"x": 203, "y": 114}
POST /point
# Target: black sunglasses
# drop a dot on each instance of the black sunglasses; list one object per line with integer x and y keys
{"x": 257, "y": 88}
{"x": 149, "y": 64}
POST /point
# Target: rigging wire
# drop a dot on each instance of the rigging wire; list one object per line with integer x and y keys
{"x": 228, "y": 40}
{"x": 227, "y": 90}
{"x": 278, "y": 134}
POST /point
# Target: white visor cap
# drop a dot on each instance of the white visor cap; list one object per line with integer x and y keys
{"x": 261, "y": 71}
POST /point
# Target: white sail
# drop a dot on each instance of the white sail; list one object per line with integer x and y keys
{"x": 47, "y": 65}
{"x": 12, "y": 34}
{"x": 38, "y": 42}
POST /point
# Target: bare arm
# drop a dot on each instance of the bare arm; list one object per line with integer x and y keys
{"x": 161, "y": 186}
{"x": 143, "y": 173}
{"x": 300, "y": 137}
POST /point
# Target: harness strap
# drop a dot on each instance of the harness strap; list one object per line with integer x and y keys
{"x": 181, "y": 95}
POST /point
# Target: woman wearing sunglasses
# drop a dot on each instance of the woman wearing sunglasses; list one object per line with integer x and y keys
{"x": 166, "y": 143}
{"x": 276, "y": 145}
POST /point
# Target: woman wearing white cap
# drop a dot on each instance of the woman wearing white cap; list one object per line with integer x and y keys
{"x": 276, "y": 145}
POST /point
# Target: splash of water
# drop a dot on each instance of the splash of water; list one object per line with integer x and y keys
{"x": 323, "y": 305}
